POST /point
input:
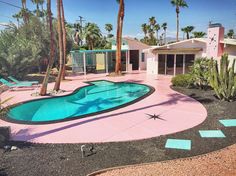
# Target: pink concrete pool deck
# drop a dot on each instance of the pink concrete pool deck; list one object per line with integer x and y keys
{"x": 129, "y": 123}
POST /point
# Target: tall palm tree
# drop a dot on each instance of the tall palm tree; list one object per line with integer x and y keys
{"x": 43, "y": 90}
{"x": 152, "y": 21}
{"x": 64, "y": 40}
{"x": 37, "y": 7}
{"x": 164, "y": 27}
{"x": 41, "y": 2}
{"x": 60, "y": 43}
{"x": 120, "y": 20}
{"x": 184, "y": 32}
{"x": 198, "y": 34}
{"x": 188, "y": 30}
{"x": 108, "y": 28}
{"x": 178, "y": 4}
{"x": 156, "y": 28}
{"x": 17, "y": 16}
{"x": 24, "y": 11}
{"x": 144, "y": 29}
{"x": 92, "y": 34}
{"x": 230, "y": 34}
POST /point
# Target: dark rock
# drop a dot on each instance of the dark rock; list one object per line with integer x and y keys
{"x": 4, "y": 135}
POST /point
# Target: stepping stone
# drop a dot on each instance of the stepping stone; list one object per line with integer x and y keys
{"x": 228, "y": 122}
{"x": 211, "y": 134}
{"x": 178, "y": 144}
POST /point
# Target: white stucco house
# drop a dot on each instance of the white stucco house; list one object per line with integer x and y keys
{"x": 176, "y": 58}
{"x": 135, "y": 56}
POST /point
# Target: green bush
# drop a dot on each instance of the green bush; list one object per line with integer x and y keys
{"x": 27, "y": 47}
{"x": 185, "y": 80}
{"x": 200, "y": 72}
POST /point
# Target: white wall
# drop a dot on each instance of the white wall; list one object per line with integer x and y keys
{"x": 152, "y": 64}
{"x": 231, "y": 50}
{"x": 136, "y": 45}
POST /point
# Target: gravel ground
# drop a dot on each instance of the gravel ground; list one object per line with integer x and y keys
{"x": 65, "y": 159}
{"x": 222, "y": 162}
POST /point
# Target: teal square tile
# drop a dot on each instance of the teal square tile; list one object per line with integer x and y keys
{"x": 178, "y": 144}
{"x": 228, "y": 122}
{"x": 211, "y": 134}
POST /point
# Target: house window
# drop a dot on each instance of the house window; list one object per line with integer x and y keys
{"x": 189, "y": 60}
{"x": 143, "y": 57}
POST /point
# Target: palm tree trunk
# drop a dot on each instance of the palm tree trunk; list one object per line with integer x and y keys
{"x": 187, "y": 35}
{"x": 37, "y": 8}
{"x": 64, "y": 40}
{"x": 157, "y": 38}
{"x": 43, "y": 90}
{"x": 177, "y": 33}
{"x": 23, "y": 2}
{"x": 60, "y": 41}
{"x": 165, "y": 37}
{"x": 119, "y": 37}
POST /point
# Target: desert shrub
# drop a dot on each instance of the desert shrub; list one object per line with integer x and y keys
{"x": 184, "y": 80}
{"x": 200, "y": 72}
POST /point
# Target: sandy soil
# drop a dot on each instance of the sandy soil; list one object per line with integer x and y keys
{"x": 222, "y": 162}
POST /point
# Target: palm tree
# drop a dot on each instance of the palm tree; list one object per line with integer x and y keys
{"x": 199, "y": 34}
{"x": 108, "y": 28}
{"x": 41, "y": 2}
{"x": 60, "y": 43}
{"x": 164, "y": 27}
{"x": 230, "y": 34}
{"x": 178, "y": 4}
{"x": 184, "y": 32}
{"x": 92, "y": 34}
{"x": 64, "y": 40}
{"x": 152, "y": 21}
{"x": 145, "y": 31}
{"x": 17, "y": 16}
{"x": 156, "y": 28}
{"x": 43, "y": 90}
{"x": 37, "y": 7}
{"x": 120, "y": 19}
{"x": 24, "y": 11}
{"x": 152, "y": 39}
{"x": 188, "y": 30}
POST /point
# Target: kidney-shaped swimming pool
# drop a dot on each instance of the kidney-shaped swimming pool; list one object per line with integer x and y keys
{"x": 98, "y": 97}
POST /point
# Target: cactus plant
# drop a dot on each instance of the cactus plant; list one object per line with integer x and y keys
{"x": 222, "y": 79}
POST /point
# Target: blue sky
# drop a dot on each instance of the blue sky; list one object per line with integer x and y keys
{"x": 199, "y": 13}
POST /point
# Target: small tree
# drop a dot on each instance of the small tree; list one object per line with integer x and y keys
{"x": 230, "y": 34}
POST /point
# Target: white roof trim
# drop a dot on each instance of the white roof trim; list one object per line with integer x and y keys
{"x": 229, "y": 41}
{"x": 204, "y": 40}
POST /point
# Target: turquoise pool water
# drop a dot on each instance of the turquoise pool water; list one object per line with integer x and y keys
{"x": 97, "y": 97}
